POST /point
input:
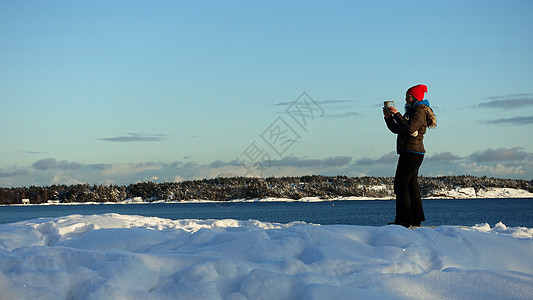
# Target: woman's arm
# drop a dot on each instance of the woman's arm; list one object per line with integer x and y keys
{"x": 416, "y": 120}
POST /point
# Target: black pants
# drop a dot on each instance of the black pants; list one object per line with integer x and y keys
{"x": 409, "y": 209}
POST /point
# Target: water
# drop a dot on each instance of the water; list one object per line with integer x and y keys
{"x": 467, "y": 212}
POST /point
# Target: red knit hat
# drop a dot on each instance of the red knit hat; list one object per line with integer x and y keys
{"x": 418, "y": 91}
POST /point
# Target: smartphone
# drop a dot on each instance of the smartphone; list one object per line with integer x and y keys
{"x": 388, "y": 104}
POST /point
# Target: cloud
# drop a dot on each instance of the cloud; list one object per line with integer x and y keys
{"x": 514, "y": 162}
{"x": 129, "y": 169}
{"x": 136, "y": 137}
{"x": 327, "y": 102}
{"x": 508, "y": 102}
{"x": 348, "y": 114}
{"x": 329, "y": 105}
{"x": 500, "y": 154}
{"x": 288, "y": 161}
{"x": 52, "y": 163}
{"x": 32, "y": 152}
{"x": 44, "y": 164}
{"x": 65, "y": 165}
{"x": 443, "y": 157}
{"x": 331, "y": 162}
{"x": 514, "y": 101}
{"x": 65, "y": 180}
{"x": 15, "y": 173}
{"x": 99, "y": 166}
{"x": 221, "y": 164}
{"x": 513, "y": 121}
{"x": 330, "y": 109}
{"x": 323, "y": 102}
{"x": 497, "y": 170}
{"x": 507, "y": 162}
{"x": 386, "y": 159}
{"x": 337, "y": 161}
{"x": 178, "y": 178}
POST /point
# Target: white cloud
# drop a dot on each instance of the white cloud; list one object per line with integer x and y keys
{"x": 62, "y": 179}
{"x": 178, "y": 178}
{"x": 502, "y": 162}
{"x": 497, "y": 170}
{"x": 128, "y": 169}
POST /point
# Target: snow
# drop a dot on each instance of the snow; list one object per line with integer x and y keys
{"x": 457, "y": 193}
{"x": 487, "y": 193}
{"x": 115, "y": 256}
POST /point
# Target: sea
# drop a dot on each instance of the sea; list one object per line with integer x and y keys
{"x": 512, "y": 212}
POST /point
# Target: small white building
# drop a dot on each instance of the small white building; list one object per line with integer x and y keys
{"x": 26, "y": 201}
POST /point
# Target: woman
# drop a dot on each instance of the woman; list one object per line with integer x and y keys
{"x": 410, "y": 129}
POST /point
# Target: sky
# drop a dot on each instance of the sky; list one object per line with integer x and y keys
{"x": 117, "y": 92}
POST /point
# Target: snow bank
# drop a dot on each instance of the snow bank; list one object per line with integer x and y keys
{"x": 131, "y": 257}
{"x": 489, "y": 193}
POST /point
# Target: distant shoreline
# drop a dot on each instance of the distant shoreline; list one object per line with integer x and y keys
{"x": 512, "y": 194}
{"x": 248, "y": 189}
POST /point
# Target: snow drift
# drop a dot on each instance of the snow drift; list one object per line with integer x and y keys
{"x": 131, "y": 257}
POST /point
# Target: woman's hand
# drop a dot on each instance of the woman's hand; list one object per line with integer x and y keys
{"x": 393, "y": 110}
{"x": 386, "y": 113}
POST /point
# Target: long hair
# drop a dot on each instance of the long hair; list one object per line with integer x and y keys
{"x": 431, "y": 119}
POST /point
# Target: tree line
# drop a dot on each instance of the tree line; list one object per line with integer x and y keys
{"x": 224, "y": 189}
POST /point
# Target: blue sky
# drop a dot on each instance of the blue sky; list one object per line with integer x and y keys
{"x": 115, "y": 92}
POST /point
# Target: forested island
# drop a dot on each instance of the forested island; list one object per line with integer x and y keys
{"x": 225, "y": 189}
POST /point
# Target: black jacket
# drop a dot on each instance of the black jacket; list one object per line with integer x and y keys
{"x": 411, "y": 128}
